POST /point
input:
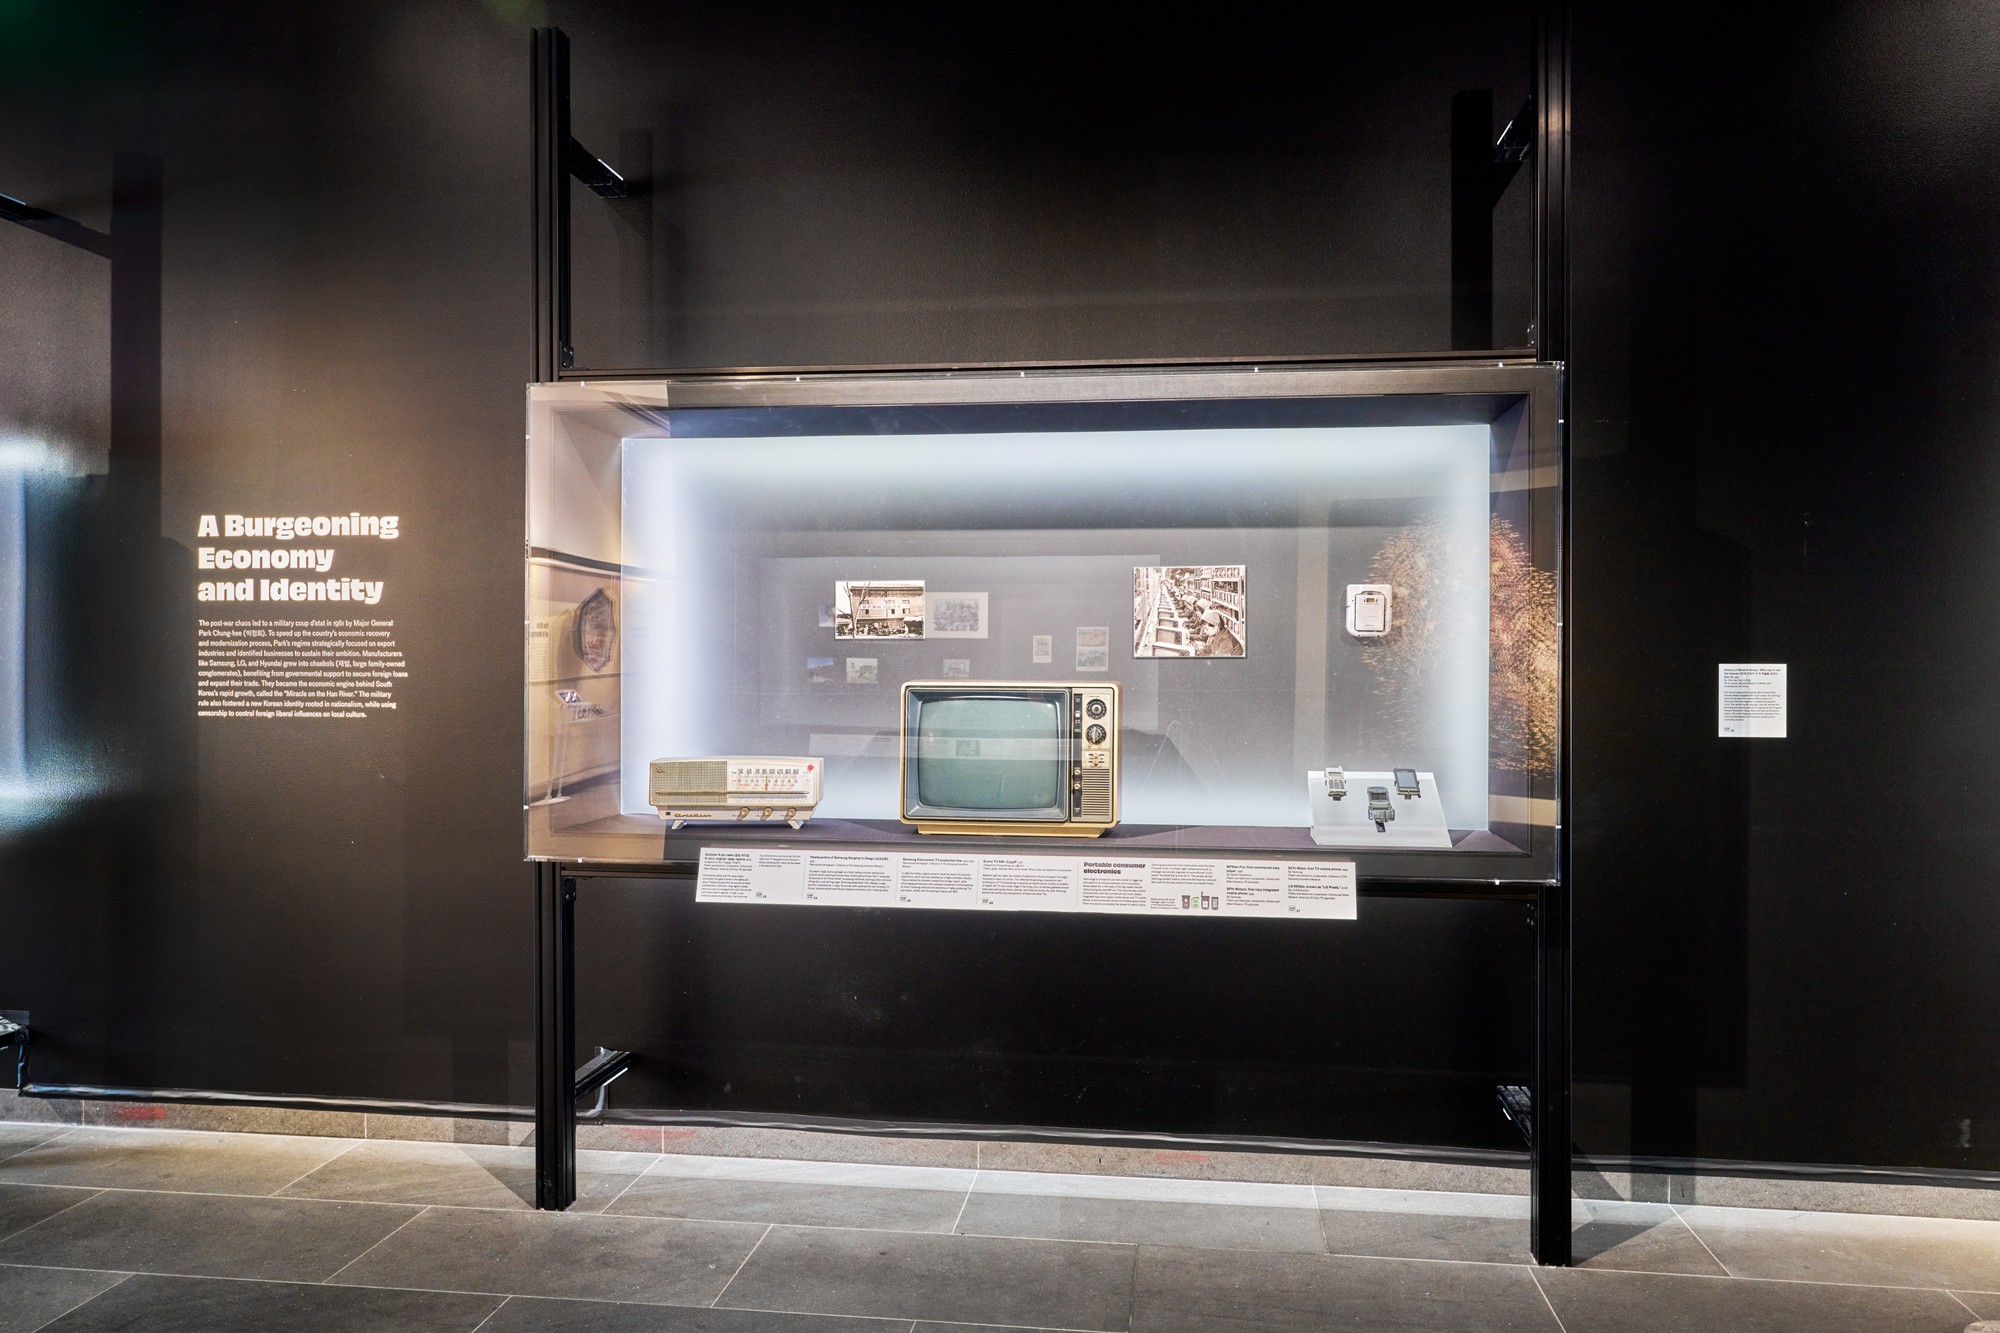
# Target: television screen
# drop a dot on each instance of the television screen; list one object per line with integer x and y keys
{"x": 995, "y": 754}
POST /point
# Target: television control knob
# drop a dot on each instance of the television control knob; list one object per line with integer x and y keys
{"x": 1095, "y": 735}
{"x": 1095, "y": 708}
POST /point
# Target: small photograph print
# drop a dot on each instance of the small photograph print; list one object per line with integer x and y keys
{"x": 1045, "y": 648}
{"x": 826, "y": 615}
{"x": 878, "y": 609}
{"x": 955, "y": 615}
{"x": 1189, "y": 611}
{"x": 958, "y": 668}
{"x": 861, "y": 670}
{"x": 819, "y": 671}
{"x": 1093, "y": 648}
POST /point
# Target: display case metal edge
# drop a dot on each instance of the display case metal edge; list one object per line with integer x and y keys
{"x": 1498, "y": 355}
{"x": 928, "y": 387}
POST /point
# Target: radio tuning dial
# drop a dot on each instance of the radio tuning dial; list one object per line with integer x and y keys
{"x": 1095, "y": 708}
{"x": 1095, "y": 735}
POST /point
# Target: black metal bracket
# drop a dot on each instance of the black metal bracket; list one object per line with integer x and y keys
{"x": 1481, "y": 170}
{"x": 598, "y": 1074}
{"x": 593, "y": 171}
{"x": 1513, "y": 147}
{"x": 1518, "y": 1105}
{"x": 14, "y": 1032}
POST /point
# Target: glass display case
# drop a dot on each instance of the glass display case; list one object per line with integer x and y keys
{"x": 1236, "y": 611}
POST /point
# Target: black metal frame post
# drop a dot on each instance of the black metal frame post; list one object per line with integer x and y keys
{"x": 1550, "y": 1183}
{"x": 555, "y": 1037}
{"x": 549, "y": 100}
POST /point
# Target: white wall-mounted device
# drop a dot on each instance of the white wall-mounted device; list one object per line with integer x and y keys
{"x": 1368, "y": 609}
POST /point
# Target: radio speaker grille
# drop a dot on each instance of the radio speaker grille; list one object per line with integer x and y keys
{"x": 691, "y": 777}
{"x": 1096, "y": 795}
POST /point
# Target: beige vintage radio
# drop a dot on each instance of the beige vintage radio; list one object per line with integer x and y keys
{"x": 735, "y": 789}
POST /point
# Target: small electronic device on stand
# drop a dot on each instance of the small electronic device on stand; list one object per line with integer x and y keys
{"x": 1401, "y": 809}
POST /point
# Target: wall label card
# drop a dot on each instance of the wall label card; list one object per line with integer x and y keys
{"x": 1750, "y": 699}
{"x": 968, "y": 881}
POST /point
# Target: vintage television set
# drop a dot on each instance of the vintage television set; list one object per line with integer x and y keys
{"x": 1003, "y": 757}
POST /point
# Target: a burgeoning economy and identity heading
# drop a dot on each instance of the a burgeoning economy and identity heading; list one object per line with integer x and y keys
{"x": 300, "y": 560}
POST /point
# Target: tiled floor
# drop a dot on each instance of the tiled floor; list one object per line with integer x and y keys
{"x": 177, "y": 1230}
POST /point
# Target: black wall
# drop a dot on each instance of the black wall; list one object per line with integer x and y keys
{"x": 1782, "y": 424}
{"x": 1785, "y": 420}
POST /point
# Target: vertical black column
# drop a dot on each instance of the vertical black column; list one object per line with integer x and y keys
{"x": 555, "y": 894}
{"x": 549, "y": 97}
{"x": 1550, "y": 1185}
{"x": 1552, "y": 186}
{"x": 555, "y": 1037}
{"x": 1472, "y": 220}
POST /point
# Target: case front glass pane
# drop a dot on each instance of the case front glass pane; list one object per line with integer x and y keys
{"x": 762, "y": 581}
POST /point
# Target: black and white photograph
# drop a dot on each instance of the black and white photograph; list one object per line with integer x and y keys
{"x": 955, "y": 615}
{"x": 863, "y": 670}
{"x": 879, "y": 609}
{"x": 1189, "y": 611}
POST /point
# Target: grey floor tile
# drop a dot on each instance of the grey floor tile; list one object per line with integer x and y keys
{"x": 1143, "y": 1221}
{"x": 907, "y": 1275}
{"x": 22, "y": 1206}
{"x": 465, "y": 1175}
{"x": 1205, "y": 1291}
{"x": 206, "y": 1235}
{"x": 1986, "y": 1304}
{"x": 31, "y": 1297}
{"x": 171, "y": 1160}
{"x": 800, "y": 1204}
{"x": 1640, "y": 1238}
{"x": 1607, "y": 1302}
{"x": 560, "y": 1254}
{"x": 1425, "y": 1236}
{"x": 1848, "y": 1247}
{"x": 208, "y": 1305}
{"x": 527, "y": 1314}
{"x": 17, "y": 1139}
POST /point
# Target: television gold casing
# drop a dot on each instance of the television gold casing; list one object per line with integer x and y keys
{"x": 1105, "y": 757}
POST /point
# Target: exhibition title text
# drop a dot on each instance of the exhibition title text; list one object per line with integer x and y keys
{"x": 303, "y": 560}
